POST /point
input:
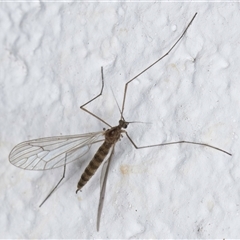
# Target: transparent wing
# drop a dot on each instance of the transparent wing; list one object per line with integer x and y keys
{"x": 52, "y": 152}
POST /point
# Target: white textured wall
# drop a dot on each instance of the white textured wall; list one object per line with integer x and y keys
{"x": 51, "y": 54}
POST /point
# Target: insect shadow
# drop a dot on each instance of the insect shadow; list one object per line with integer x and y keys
{"x": 53, "y": 152}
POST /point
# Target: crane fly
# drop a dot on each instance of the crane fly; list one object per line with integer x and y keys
{"x": 53, "y": 152}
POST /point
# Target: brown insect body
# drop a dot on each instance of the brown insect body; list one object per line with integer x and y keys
{"x": 53, "y": 152}
{"x": 112, "y": 135}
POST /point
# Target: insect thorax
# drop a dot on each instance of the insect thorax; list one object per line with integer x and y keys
{"x": 113, "y": 134}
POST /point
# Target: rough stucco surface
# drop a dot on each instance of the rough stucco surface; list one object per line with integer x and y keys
{"x": 51, "y": 54}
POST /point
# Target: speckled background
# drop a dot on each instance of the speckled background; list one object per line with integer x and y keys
{"x": 51, "y": 54}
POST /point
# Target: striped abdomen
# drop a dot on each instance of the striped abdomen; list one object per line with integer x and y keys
{"x": 94, "y": 164}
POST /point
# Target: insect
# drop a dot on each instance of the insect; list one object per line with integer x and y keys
{"x": 53, "y": 152}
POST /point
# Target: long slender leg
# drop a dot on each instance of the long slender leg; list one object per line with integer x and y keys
{"x": 104, "y": 176}
{"x": 171, "y": 143}
{"x": 84, "y": 109}
{"x": 126, "y": 85}
{"x": 51, "y": 192}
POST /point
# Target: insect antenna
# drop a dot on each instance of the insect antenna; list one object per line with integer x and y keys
{"x": 117, "y": 104}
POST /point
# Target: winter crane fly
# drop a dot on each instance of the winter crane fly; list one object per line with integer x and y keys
{"x": 54, "y": 152}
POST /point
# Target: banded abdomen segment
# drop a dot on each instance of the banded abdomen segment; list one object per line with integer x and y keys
{"x": 94, "y": 164}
